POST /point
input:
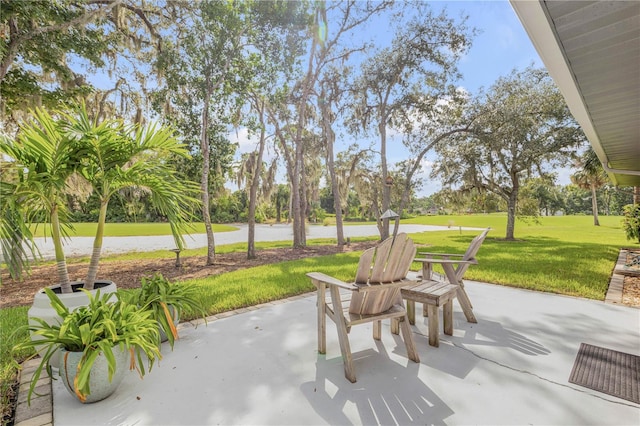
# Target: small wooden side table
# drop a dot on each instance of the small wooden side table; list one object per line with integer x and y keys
{"x": 432, "y": 294}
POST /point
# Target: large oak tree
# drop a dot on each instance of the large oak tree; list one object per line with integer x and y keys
{"x": 523, "y": 129}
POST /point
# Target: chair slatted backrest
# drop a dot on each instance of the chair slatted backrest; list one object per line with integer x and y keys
{"x": 471, "y": 252}
{"x": 388, "y": 262}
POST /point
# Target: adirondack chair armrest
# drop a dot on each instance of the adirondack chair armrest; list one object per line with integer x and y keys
{"x": 424, "y": 253}
{"x": 320, "y": 278}
{"x": 444, "y": 261}
{"x": 385, "y": 286}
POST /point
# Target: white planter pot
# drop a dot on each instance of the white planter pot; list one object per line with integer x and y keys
{"x": 42, "y": 309}
{"x": 100, "y": 385}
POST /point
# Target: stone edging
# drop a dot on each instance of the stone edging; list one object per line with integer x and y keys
{"x": 40, "y": 413}
{"x": 616, "y": 283}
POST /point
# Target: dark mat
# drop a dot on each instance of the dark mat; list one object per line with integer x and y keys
{"x": 608, "y": 371}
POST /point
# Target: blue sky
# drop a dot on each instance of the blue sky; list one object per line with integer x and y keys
{"x": 501, "y": 46}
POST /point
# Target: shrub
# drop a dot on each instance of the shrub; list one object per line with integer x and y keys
{"x": 631, "y": 221}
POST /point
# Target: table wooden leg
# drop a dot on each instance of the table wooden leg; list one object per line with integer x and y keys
{"x": 434, "y": 339}
{"x": 411, "y": 311}
{"x": 447, "y": 317}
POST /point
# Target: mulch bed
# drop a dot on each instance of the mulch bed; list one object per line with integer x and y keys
{"x": 127, "y": 274}
{"x": 631, "y": 287}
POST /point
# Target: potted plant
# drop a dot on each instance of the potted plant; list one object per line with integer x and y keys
{"x": 98, "y": 343}
{"x": 108, "y": 156}
{"x": 167, "y": 301}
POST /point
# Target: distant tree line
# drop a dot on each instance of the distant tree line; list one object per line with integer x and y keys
{"x": 232, "y": 207}
{"x": 544, "y": 200}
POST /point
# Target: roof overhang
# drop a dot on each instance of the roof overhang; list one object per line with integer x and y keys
{"x": 592, "y": 51}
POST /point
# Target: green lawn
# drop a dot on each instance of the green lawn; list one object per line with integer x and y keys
{"x": 565, "y": 255}
{"x": 127, "y": 229}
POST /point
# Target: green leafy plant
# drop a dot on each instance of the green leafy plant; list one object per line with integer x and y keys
{"x": 100, "y": 327}
{"x": 52, "y": 150}
{"x": 166, "y": 301}
{"x": 631, "y": 221}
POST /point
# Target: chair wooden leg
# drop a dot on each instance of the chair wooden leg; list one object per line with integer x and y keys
{"x": 407, "y": 335}
{"x": 377, "y": 330}
{"x": 434, "y": 339}
{"x": 345, "y": 348}
{"x": 322, "y": 319}
{"x": 447, "y": 317}
{"x": 411, "y": 311}
{"x": 425, "y": 310}
{"x": 463, "y": 298}
{"x": 465, "y": 303}
{"x": 343, "y": 338}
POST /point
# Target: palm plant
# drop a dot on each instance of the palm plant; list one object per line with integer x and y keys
{"x": 44, "y": 157}
{"x": 116, "y": 157}
{"x": 110, "y": 156}
{"x": 13, "y": 229}
{"x": 590, "y": 176}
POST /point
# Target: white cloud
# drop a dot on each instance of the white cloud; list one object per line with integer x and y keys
{"x": 246, "y": 142}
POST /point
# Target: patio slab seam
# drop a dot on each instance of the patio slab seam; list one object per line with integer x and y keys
{"x": 40, "y": 412}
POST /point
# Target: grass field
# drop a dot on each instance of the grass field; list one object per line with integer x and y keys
{"x": 565, "y": 255}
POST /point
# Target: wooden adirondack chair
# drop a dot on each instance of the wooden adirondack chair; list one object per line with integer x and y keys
{"x": 435, "y": 291}
{"x": 373, "y": 296}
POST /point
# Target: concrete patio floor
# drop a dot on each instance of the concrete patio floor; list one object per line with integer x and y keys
{"x": 260, "y": 366}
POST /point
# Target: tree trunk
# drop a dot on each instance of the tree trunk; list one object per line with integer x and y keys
{"x": 304, "y": 201}
{"x": 386, "y": 190}
{"x": 594, "y": 205}
{"x": 511, "y": 214}
{"x": 61, "y": 262}
{"x": 404, "y": 201}
{"x": 636, "y": 195}
{"x": 97, "y": 247}
{"x": 204, "y": 183}
{"x": 330, "y": 140}
{"x": 278, "y": 209}
{"x": 337, "y": 205}
{"x": 299, "y": 235}
{"x": 253, "y": 191}
{"x": 290, "y": 206}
